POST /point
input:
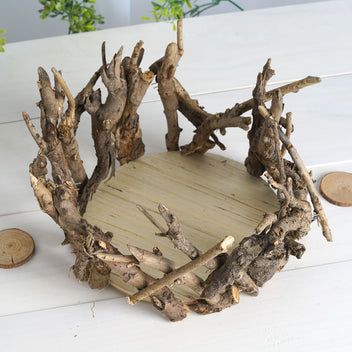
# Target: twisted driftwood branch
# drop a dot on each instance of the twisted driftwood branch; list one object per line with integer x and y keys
{"x": 117, "y": 136}
{"x": 170, "y": 279}
{"x": 175, "y": 234}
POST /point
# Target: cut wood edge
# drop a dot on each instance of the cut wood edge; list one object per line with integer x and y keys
{"x": 24, "y": 239}
{"x": 331, "y": 194}
{"x": 170, "y": 279}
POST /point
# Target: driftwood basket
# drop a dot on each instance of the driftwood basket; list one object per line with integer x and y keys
{"x": 222, "y": 228}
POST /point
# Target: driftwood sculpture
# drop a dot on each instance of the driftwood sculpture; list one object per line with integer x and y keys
{"x": 117, "y": 135}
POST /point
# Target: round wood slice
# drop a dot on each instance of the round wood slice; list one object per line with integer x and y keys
{"x": 16, "y": 248}
{"x": 213, "y": 197}
{"x": 336, "y": 188}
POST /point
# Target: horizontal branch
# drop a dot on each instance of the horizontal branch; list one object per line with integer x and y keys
{"x": 115, "y": 258}
{"x": 166, "y": 266}
{"x": 170, "y": 279}
{"x": 293, "y": 87}
{"x": 219, "y": 121}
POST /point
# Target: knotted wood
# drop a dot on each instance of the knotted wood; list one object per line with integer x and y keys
{"x": 104, "y": 252}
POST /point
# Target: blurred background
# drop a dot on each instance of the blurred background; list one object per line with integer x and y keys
{"x": 21, "y": 18}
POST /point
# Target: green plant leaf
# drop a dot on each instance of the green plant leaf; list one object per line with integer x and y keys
{"x": 175, "y": 9}
{"x": 2, "y": 40}
{"x": 80, "y": 14}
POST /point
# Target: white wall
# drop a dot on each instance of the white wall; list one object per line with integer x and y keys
{"x": 21, "y": 17}
{"x": 143, "y": 7}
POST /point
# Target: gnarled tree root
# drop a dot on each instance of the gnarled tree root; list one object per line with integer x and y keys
{"x": 117, "y": 136}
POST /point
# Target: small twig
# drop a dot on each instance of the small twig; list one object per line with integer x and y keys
{"x": 103, "y": 57}
{"x": 310, "y": 185}
{"x": 277, "y": 185}
{"x": 293, "y": 87}
{"x": 180, "y": 36}
{"x": 165, "y": 265}
{"x": 164, "y": 300}
{"x": 267, "y": 221}
{"x": 175, "y": 235}
{"x": 284, "y": 192}
{"x": 87, "y": 90}
{"x": 115, "y": 258}
{"x": 151, "y": 219}
{"x": 137, "y": 54}
{"x": 44, "y": 196}
{"x": 33, "y": 131}
{"x": 70, "y": 99}
{"x": 165, "y": 75}
{"x": 174, "y": 231}
{"x": 204, "y": 131}
{"x": 289, "y": 130}
{"x": 169, "y": 279}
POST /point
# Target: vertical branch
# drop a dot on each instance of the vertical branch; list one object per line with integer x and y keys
{"x": 67, "y": 134}
{"x": 105, "y": 119}
{"x": 165, "y": 75}
{"x": 260, "y": 256}
{"x": 253, "y": 164}
{"x": 116, "y": 134}
{"x": 180, "y": 36}
{"x": 310, "y": 185}
{"x": 128, "y": 133}
{"x": 50, "y": 114}
{"x": 70, "y": 114}
{"x": 289, "y": 130}
{"x": 84, "y": 94}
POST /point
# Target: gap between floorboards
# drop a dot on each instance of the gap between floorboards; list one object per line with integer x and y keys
{"x": 125, "y": 297}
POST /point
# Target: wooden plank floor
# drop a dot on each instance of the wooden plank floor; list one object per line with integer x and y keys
{"x": 307, "y": 307}
{"x": 299, "y": 310}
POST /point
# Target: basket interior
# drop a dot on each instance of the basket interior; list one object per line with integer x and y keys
{"x": 212, "y": 196}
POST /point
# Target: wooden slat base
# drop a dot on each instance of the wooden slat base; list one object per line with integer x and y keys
{"x": 213, "y": 197}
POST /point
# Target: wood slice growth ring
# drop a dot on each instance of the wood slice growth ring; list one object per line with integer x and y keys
{"x": 16, "y": 248}
{"x": 336, "y": 187}
{"x": 212, "y": 275}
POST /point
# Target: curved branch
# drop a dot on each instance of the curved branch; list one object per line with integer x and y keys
{"x": 201, "y": 137}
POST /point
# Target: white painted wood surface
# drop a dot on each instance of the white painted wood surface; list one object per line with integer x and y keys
{"x": 221, "y": 51}
{"x": 45, "y": 281}
{"x": 305, "y": 308}
{"x": 299, "y": 310}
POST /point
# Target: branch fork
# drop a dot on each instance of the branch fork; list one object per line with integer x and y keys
{"x": 117, "y": 136}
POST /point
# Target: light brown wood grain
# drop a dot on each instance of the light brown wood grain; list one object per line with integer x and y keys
{"x": 16, "y": 248}
{"x": 336, "y": 187}
{"x": 212, "y": 196}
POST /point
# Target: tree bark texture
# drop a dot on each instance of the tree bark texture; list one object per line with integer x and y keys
{"x": 117, "y": 137}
